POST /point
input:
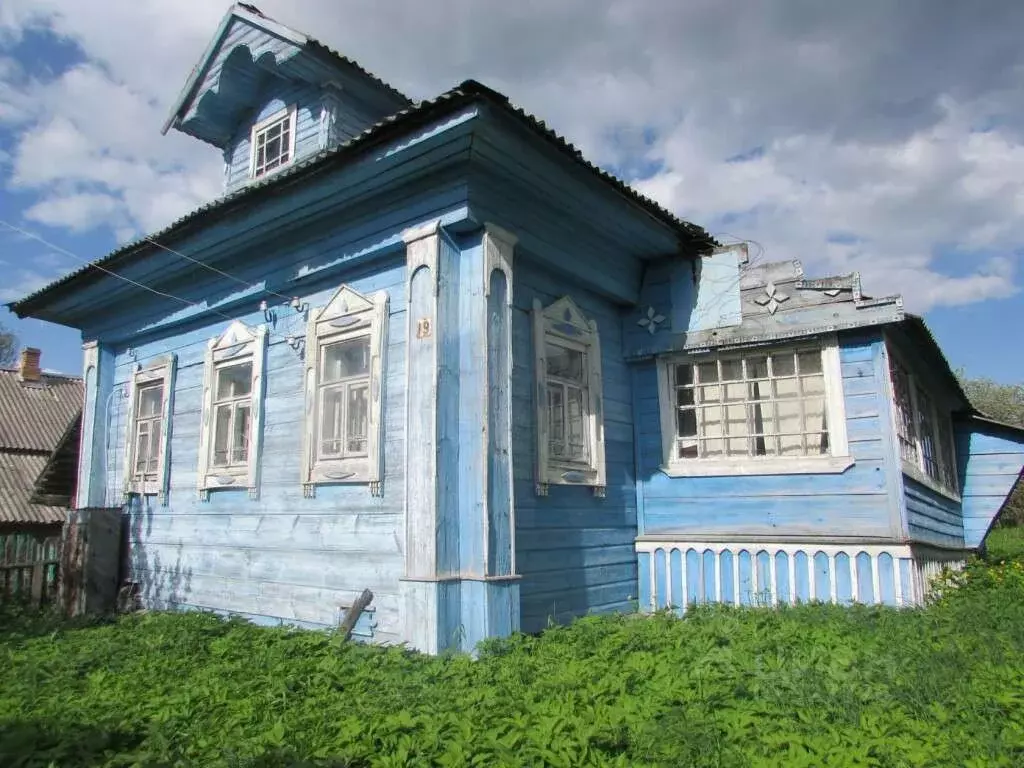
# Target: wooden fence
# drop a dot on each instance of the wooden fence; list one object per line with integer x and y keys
{"x": 28, "y": 566}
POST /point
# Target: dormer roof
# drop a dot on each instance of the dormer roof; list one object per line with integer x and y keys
{"x": 248, "y": 50}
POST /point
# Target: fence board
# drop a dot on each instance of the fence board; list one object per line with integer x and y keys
{"x": 28, "y": 566}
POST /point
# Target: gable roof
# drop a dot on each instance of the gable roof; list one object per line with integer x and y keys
{"x": 328, "y": 63}
{"x": 385, "y": 130}
{"x": 37, "y": 421}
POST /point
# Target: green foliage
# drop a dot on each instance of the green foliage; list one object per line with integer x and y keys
{"x": 808, "y": 686}
{"x": 8, "y": 346}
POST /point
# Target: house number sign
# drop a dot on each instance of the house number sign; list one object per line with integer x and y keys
{"x": 423, "y": 328}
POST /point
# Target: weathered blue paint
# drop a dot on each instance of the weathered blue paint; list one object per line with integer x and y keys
{"x": 500, "y": 532}
{"x": 991, "y": 457}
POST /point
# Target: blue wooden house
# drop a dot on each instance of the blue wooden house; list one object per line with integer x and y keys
{"x": 429, "y": 350}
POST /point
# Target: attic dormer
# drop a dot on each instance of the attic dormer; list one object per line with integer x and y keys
{"x": 269, "y": 96}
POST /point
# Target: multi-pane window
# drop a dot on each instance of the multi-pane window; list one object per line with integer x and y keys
{"x": 273, "y": 142}
{"x": 149, "y": 414}
{"x": 229, "y": 439}
{"x": 232, "y": 415}
{"x": 923, "y": 428}
{"x": 756, "y": 404}
{"x": 568, "y": 407}
{"x": 569, "y": 419}
{"x": 149, "y": 392}
{"x": 344, "y": 398}
{"x": 344, "y": 388}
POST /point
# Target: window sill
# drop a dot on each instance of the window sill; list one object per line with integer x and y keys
{"x": 271, "y": 173}
{"x": 802, "y": 465}
{"x": 918, "y": 476}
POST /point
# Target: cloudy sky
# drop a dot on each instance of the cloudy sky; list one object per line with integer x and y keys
{"x": 877, "y": 136}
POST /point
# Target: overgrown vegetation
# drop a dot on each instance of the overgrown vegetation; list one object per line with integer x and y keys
{"x": 809, "y": 686}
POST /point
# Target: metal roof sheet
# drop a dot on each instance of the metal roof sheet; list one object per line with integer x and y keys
{"x": 401, "y": 121}
{"x": 35, "y": 415}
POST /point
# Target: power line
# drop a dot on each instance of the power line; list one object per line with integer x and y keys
{"x": 162, "y": 294}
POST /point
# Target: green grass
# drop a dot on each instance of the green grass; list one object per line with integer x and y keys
{"x": 808, "y": 686}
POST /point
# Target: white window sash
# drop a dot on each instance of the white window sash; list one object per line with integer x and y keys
{"x": 836, "y": 460}
{"x": 154, "y": 483}
{"x": 286, "y": 116}
{"x": 347, "y": 316}
{"x": 563, "y": 325}
{"x": 238, "y": 345}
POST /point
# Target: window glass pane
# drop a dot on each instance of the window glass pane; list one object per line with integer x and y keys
{"x": 786, "y": 388}
{"x": 810, "y": 362}
{"x": 332, "y": 406}
{"x": 684, "y": 375}
{"x": 687, "y": 423}
{"x": 564, "y": 363}
{"x": 711, "y": 421}
{"x": 757, "y": 367}
{"x": 684, "y": 397}
{"x": 240, "y": 435}
{"x": 783, "y": 364}
{"x": 556, "y": 419}
{"x": 710, "y": 394}
{"x": 736, "y": 420}
{"x": 358, "y": 422}
{"x": 151, "y": 400}
{"x": 154, "y": 448}
{"x": 732, "y": 370}
{"x": 142, "y": 446}
{"x": 688, "y": 449}
{"x": 234, "y": 381}
{"x": 712, "y": 449}
{"x": 345, "y": 359}
{"x": 926, "y": 431}
{"x": 707, "y": 372}
{"x": 735, "y": 393}
{"x": 221, "y": 435}
{"x": 576, "y": 414}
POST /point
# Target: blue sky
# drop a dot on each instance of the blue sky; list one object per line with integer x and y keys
{"x": 886, "y": 140}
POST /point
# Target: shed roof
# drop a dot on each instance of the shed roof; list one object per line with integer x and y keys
{"x": 36, "y": 419}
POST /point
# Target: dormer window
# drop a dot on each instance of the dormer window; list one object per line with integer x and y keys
{"x": 273, "y": 142}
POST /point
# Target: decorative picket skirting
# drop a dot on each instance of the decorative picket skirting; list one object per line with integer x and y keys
{"x": 679, "y": 574}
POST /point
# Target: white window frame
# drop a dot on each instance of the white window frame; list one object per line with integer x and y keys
{"x": 942, "y": 434}
{"x": 348, "y": 315}
{"x": 837, "y": 460}
{"x": 563, "y": 324}
{"x": 286, "y": 114}
{"x": 160, "y": 371}
{"x": 239, "y": 344}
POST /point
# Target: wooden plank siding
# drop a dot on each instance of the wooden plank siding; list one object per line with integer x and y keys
{"x": 859, "y": 503}
{"x": 574, "y": 551}
{"x": 932, "y": 517}
{"x": 991, "y": 459}
{"x": 281, "y": 556}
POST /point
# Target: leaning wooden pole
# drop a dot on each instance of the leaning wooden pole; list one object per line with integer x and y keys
{"x": 352, "y": 615}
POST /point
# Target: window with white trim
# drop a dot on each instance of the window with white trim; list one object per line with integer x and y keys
{"x": 273, "y": 143}
{"x": 230, "y": 432}
{"x": 924, "y": 430}
{"x": 345, "y": 343}
{"x": 150, "y": 402}
{"x": 570, "y": 430}
{"x": 764, "y": 410}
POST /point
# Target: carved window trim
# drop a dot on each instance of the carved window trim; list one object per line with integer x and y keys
{"x": 563, "y": 325}
{"x": 238, "y": 345}
{"x": 835, "y": 461}
{"x": 160, "y": 373}
{"x": 349, "y": 315}
{"x": 285, "y": 117}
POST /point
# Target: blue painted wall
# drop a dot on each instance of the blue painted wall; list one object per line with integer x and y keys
{"x": 282, "y": 556}
{"x": 932, "y": 517}
{"x": 862, "y": 502}
{"x": 991, "y": 458}
{"x": 574, "y": 551}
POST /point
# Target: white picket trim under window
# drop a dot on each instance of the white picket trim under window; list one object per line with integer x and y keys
{"x": 565, "y": 458}
{"x": 147, "y": 439}
{"x": 348, "y": 449}
{"x": 923, "y": 428}
{"x": 833, "y": 456}
{"x": 238, "y": 347}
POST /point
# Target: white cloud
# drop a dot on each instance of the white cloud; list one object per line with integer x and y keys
{"x": 892, "y": 125}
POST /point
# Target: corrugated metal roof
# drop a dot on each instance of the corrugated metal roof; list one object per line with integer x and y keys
{"x": 35, "y": 415}
{"x": 467, "y": 92}
{"x": 18, "y": 473}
